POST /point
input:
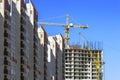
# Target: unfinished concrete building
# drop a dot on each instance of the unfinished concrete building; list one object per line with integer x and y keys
{"x": 80, "y": 66}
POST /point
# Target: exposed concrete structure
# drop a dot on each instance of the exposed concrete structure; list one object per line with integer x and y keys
{"x": 79, "y": 65}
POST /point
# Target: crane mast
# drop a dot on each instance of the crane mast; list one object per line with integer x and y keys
{"x": 67, "y": 27}
{"x": 66, "y": 38}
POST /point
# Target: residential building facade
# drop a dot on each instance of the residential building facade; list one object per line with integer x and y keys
{"x": 10, "y": 59}
{"x": 53, "y": 55}
{"x": 60, "y": 57}
{"x": 20, "y": 47}
{"x": 43, "y": 41}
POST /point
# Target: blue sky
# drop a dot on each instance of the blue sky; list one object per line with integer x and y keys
{"x": 103, "y": 19}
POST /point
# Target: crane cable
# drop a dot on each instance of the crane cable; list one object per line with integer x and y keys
{"x": 50, "y": 18}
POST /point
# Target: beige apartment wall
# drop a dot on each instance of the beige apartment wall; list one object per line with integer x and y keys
{"x": 2, "y": 7}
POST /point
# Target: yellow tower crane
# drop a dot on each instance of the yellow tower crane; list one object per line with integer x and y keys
{"x": 67, "y": 27}
{"x": 94, "y": 57}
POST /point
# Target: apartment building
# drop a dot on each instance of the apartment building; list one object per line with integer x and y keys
{"x": 80, "y": 66}
{"x": 59, "y": 56}
{"x": 1, "y": 40}
{"x": 51, "y": 65}
{"x": 53, "y": 52}
{"x": 10, "y": 60}
{"x": 19, "y": 49}
{"x": 27, "y": 41}
{"x": 43, "y": 41}
{"x": 46, "y": 55}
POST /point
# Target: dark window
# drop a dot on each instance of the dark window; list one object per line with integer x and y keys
{"x": 30, "y": 11}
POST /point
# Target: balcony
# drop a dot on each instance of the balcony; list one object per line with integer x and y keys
{"x": 5, "y": 78}
{"x": 22, "y": 29}
{"x": 6, "y": 34}
{"x": 22, "y": 44}
{"x": 5, "y": 71}
{"x": 22, "y": 37}
{"x": 7, "y": 16}
{"x": 22, "y": 61}
{"x": 6, "y": 24}
{"x": 45, "y": 66}
{"x": 6, "y": 43}
{"x": 6, "y": 53}
{"x": 22, "y": 69}
{"x": 45, "y": 60}
{"x": 23, "y": 21}
{"x": 6, "y": 62}
{"x": 22, "y": 78}
{"x": 22, "y": 52}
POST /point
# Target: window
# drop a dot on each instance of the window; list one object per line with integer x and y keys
{"x": 41, "y": 36}
{"x": 13, "y": 72}
{"x": 30, "y": 11}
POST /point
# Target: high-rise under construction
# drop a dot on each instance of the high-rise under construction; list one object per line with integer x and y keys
{"x": 80, "y": 65}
